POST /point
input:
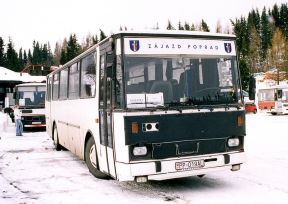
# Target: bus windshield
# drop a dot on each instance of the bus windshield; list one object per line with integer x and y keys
{"x": 31, "y": 96}
{"x": 180, "y": 80}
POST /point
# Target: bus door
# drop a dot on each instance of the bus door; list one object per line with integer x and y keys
{"x": 105, "y": 114}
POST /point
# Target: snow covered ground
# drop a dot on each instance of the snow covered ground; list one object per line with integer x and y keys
{"x": 31, "y": 171}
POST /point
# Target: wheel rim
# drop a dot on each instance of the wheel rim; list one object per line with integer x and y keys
{"x": 92, "y": 156}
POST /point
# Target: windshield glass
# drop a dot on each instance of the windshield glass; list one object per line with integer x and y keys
{"x": 266, "y": 95}
{"x": 180, "y": 80}
{"x": 31, "y": 96}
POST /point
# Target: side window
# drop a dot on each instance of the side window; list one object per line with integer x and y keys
{"x": 55, "y": 86}
{"x": 48, "y": 85}
{"x": 88, "y": 76}
{"x": 74, "y": 80}
{"x": 63, "y": 84}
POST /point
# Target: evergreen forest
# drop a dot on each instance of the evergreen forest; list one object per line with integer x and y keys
{"x": 261, "y": 38}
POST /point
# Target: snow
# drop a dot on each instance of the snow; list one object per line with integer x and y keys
{"x": 9, "y": 75}
{"x": 31, "y": 171}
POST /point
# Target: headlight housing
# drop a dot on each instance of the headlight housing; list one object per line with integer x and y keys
{"x": 233, "y": 142}
{"x": 140, "y": 151}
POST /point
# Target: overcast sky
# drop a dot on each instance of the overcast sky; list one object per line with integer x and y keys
{"x": 53, "y": 20}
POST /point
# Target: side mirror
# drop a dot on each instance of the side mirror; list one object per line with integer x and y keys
{"x": 252, "y": 88}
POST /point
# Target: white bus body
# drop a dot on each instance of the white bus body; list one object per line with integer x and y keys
{"x": 31, "y": 100}
{"x": 281, "y": 100}
{"x": 150, "y": 106}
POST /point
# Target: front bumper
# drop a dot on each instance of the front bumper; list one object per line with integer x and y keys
{"x": 165, "y": 169}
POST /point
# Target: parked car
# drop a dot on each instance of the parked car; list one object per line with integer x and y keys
{"x": 250, "y": 107}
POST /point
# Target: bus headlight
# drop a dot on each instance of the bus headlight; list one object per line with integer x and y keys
{"x": 139, "y": 151}
{"x": 233, "y": 142}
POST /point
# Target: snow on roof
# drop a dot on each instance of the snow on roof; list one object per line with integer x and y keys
{"x": 9, "y": 75}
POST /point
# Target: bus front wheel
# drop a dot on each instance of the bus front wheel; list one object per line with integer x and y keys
{"x": 91, "y": 159}
{"x": 56, "y": 139}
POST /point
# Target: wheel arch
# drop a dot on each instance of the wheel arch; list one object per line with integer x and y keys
{"x": 87, "y": 137}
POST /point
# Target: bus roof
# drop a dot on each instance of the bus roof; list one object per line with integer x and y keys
{"x": 152, "y": 33}
{"x": 31, "y": 84}
{"x": 175, "y": 33}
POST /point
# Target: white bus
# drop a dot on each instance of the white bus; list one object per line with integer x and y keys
{"x": 275, "y": 99}
{"x": 150, "y": 106}
{"x": 31, "y": 100}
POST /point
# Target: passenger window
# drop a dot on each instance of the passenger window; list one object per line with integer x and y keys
{"x": 48, "y": 95}
{"x": 88, "y": 76}
{"x": 74, "y": 81}
{"x": 63, "y": 84}
{"x": 55, "y": 86}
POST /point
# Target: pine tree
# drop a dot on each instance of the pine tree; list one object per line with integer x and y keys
{"x": 12, "y": 57}
{"x": 102, "y": 35}
{"x": 44, "y": 55}
{"x": 253, "y": 20}
{"x": 20, "y": 59}
{"x": 170, "y": 26}
{"x": 73, "y": 48}
{"x": 180, "y": 27}
{"x": 63, "y": 57}
{"x": 2, "y": 53}
{"x": 265, "y": 34}
{"x": 276, "y": 15}
{"x": 284, "y": 19}
{"x": 50, "y": 55}
{"x": 30, "y": 58}
{"x": 25, "y": 58}
{"x": 187, "y": 26}
{"x": 204, "y": 26}
{"x": 242, "y": 36}
{"x": 36, "y": 56}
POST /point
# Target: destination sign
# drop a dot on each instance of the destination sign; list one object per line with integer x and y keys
{"x": 138, "y": 46}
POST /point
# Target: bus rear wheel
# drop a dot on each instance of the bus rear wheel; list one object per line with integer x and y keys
{"x": 91, "y": 159}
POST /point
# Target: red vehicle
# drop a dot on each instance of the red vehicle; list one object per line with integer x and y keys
{"x": 250, "y": 108}
{"x": 266, "y": 99}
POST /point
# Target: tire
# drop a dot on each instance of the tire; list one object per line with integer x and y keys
{"x": 57, "y": 146}
{"x": 255, "y": 111}
{"x": 92, "y": 160}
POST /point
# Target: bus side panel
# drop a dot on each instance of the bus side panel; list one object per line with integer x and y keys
{"x": 73, "y": 119}
{"x": 58, "y": 112}
{"x": 48, "y": 118}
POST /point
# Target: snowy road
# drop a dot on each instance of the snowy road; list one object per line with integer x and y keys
{"x": 32, "y": 172}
